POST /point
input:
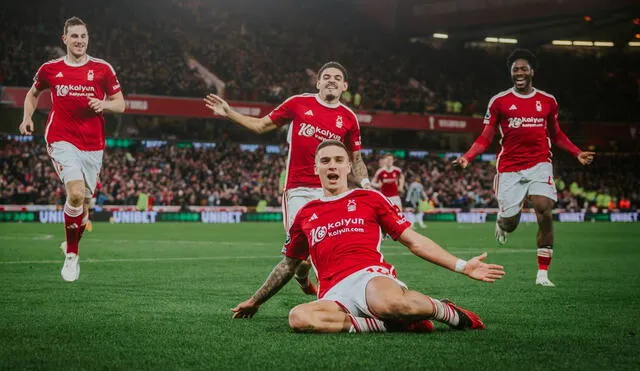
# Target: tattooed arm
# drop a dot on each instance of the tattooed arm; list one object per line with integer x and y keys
{"x": 359, "y": 170}
{"x": 280, "y": 275}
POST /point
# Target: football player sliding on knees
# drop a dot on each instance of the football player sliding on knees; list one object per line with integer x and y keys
{"x": 359, "y": 290}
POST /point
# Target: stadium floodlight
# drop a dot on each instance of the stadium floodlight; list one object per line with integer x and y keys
{"x": 440, "y": 36}
{"x": 505, "y": 40}
{"x": 561, "y": 42}
{"x": 491, "y": 39}
{"x": 583, "y": 43}
{"x": 603, "y": 43}
{"x": 634, "y": 43}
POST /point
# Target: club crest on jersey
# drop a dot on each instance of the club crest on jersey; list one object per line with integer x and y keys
{"x": 339, "y": 122}
{"x": 538, "y": 106}
{"x": 90, "y": 75}
{"x": 351, "y": 205}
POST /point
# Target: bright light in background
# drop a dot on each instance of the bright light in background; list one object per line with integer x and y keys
{"x": 491, "y": 39}
{"x": 586, "y": 18}
{"x": 634, "y": 43}
{"x": 507, "y": 41}
{"x": 603, "y": 43}
{"x": 561, "y": 42}
{"x": 637, "y": 36}
{"x": 440, "y": 36}
{"x": 583, "y": 43}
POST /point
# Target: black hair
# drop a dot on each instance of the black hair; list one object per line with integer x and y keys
{"x": 523, "y": 54}
{"x": 333, "y": 64}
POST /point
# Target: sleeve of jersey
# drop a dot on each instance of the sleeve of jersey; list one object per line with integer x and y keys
{"x": 558, "y": 136}
{"x": 283, "y": 114}
{"x": 112, "y": 84}
{"x": 486, "y": 137}
{"x": 39, "y": 80}
{"x": 390, "y": 217}
{"x": 482, "y": 143}
{"x": 296, "y": 246}
{"x": 354, "y": 142}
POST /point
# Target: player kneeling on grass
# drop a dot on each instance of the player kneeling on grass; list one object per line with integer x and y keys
{"x": 359, "y": 291}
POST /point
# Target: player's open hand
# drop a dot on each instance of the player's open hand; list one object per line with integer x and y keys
{"x": 218, "y": 105}
{"x": 586, "y": 158}
{"x": 26, "y": 127}
{"x": 97, "y": 105}
{"x": 460, "y": 163}
{"x": 477, "y": 269}
{"x": 246, "y": 309}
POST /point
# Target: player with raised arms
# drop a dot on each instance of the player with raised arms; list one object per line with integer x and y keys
{"x": 314, "y": 118}
{"x": 359, "y": 292}
{"x": 82, "y": 88}
{"x": 527, "y": 119}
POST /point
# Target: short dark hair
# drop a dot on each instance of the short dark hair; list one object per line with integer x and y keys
{"x": 73, "y": 21}
{"x": 333, "y": 64}
{"x": 330, "y": 143}
{"x": 523, "y": 54}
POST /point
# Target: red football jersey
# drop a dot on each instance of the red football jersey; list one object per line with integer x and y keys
{"x": 343, "y": 234}
{"x": 71, "y": 119}
{"x": 524, "y": 122}
{"x": 389, "y": 179}
{"x": 312, "y": 122}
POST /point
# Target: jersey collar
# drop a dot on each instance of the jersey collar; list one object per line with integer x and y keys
{"x": 328, "y": 105}
{"x": 533, "y": 92}
{"x": 71, "y": 64}
{"x": 336, "y": 197}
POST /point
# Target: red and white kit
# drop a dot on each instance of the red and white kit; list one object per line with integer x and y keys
{"x": 343, "y": 235}
{"x": 75, "y": 133}
{"x": 389, "y": 179}
{"x": 312, "y": 122}
{"x": 528, "y": 125}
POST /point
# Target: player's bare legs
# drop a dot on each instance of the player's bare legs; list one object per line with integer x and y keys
{"x": 505, "y": 226}
{"x": 73, "y": 223}
{"x": 319, "y": 316}
{"x": 396, "y": 309}
{"x": 544, "y": 240}
{"x": 392, "y": 302}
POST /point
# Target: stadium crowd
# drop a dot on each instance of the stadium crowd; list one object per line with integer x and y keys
{"x": 227, "y": 175}
{"x": 265, "y": 58}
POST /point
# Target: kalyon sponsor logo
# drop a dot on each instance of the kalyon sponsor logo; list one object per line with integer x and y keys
{"x": 525, "y": 122}
{"x": 308, "y": 130}
{"x": 74, "y": 90}
{"x": 346, "y": 225}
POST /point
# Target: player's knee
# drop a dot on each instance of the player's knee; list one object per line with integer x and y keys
{"x": 395, "y": 308}
{"x": 75, "y": 196}
{"x": 300, "y": 319}
{"x": 509, "y": 224}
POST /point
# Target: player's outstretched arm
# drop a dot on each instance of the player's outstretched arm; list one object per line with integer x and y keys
{"x": 279, "y": 276}
{"x": 479, "y": 146}
{"x": 428, "y": 250}
{"x": 30, "y": 104}
{"x": 220, "y": 107}
{"x": 359, "y": 170}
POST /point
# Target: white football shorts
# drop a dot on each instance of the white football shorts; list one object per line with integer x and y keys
{"x": 73, "y": 164}
{"x": 293, "y": 200}
{"x": 512, "y": 188}
{"x": 351, "y": 292}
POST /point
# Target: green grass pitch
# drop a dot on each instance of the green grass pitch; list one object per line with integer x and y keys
{"x": 159, "y": 297}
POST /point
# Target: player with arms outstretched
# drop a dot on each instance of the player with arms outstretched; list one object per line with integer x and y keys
{"x": 390, "y": 180}
{"x": 82, "y": 88}
{"x": 359, "y": 291}
{"x": 527, "y": 119}
{"x": 314, "y": 118}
